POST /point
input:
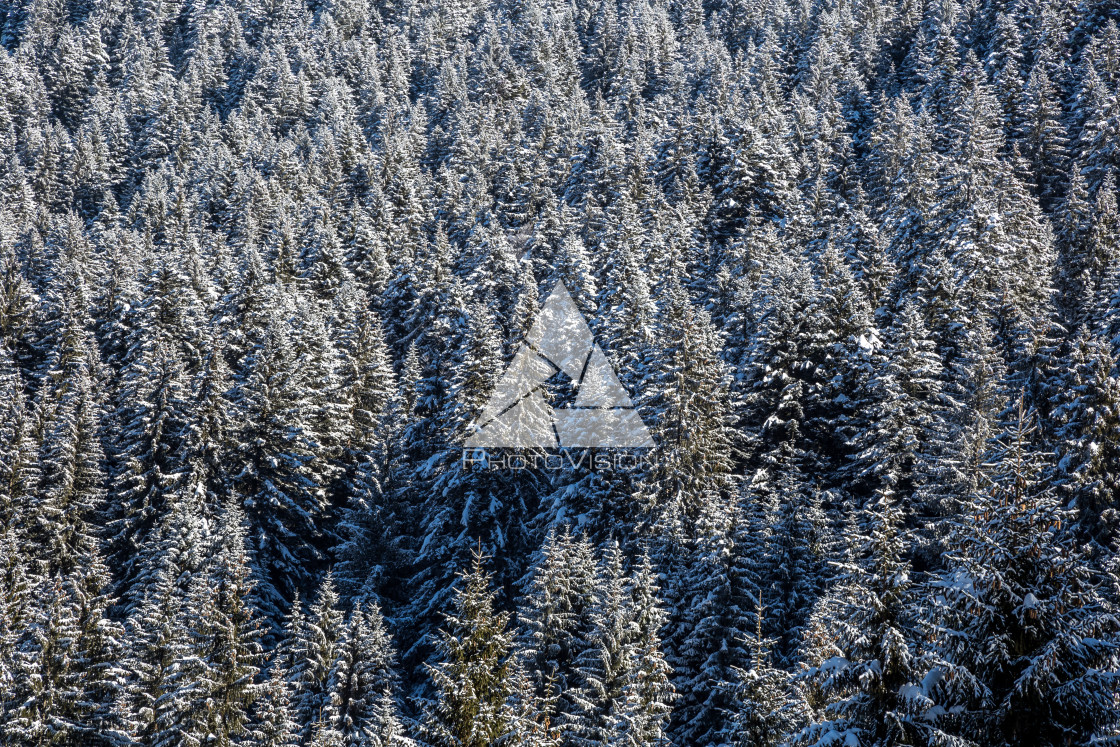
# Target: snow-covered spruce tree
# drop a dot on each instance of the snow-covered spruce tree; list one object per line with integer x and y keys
{"x": 896, "y": 443}
{"x": 843, "y": 334}
{"x": 149, "y": 427}
{"x": 626, "y": 306}
{"x": 19, "y": 463}
{"x": 151, "y": 407}
{"x": 473, "y": 667}
{"x": 281, "y": 476}
{"x": 64, "y": 663}
{"x": 272, "y": 724}
{"x": 758, "y": 171}
{"x": 324, "y": 735}
{"x": 707, "y": 635}
{"x": 554, "y": 616}
{"x": 1089, "y": 241}
{"x": 288, "y": 653}
{"x": 362, "y": 683}
{"x": 314, "y": 650}
{"x": 905, "y": 167}
{"x": 1024, "y": 638}
{"x": 214, "y": 684}
{"x": 976, "y": 392}
{"x": 1088, "y": 411}
{"x": 623, "y": 691}
{"x": 601, "y": 667}
{"x": 208, "y": 438}
{"x": 234, "y": 651}
{"x": 574, "y": 270}
{"x": 769, "y": 710}
{"x": 157, "y": 640}
{"x": 688, "y": 490}
{"x": 17, "y": 300}
{"x": 639, "y": 715}
{"x": 495, "y": 277}
{"x": 1093, "y": 153}
{"x": 864, "y": 682}
{"x": 454, "y": 501}
{"x": 99, "y": 646}
{"x": 535, "y": 722}
{"x": 40, "y": 709}
{"x": 323, "y": 269}
{"x": 782, "y": 547}
{"x": 861, "y": 244}
{"x": 368, "y": 387}
{"x": 71, "y": 494}
{"x": 179, "y": 545}
{"x": 779, "y": 374}
{"x": 979, "y": 186}
{"x": 15, "y": 609}
{"x": 690, "y": 405}
{"x": 1045, "y": 135}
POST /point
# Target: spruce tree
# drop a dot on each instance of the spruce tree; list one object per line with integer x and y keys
{"x": 362, "y": 683}
{"x": 473, "y": 670}
{"x": 1024, "y": 634}
{"x": 603, "y": 666}
{"x": 865, "y": 668}
{"x": 639, "y": 716}
{"x": 19, "y": 463}
{"x": 554, "y": 616}
{"x": 156, "y": 642}
{"x": 707, "y": 636}
{"x": 691, "y": 407}
{"x": 15, "y": 610}
{"x": 233, "y": 652}
{"x": 40, "y": 710}
{"x": 272, "y": 723}
{"x": 897, "y": 446}
{"x": 150, "y": 425}
{"x": 63, "y": 665}
{"x": 315, "y": 647}
{"x": 72, "y": 485}
{"x": 769, "y": 710}
{"x": 283, "y": 474}
{"x": 1088, "y": 411}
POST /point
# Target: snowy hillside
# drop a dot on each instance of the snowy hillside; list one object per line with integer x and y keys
{"x": 335, "y": 334}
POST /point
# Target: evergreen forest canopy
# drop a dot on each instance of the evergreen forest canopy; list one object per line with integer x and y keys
{"x": 262, "y": 264}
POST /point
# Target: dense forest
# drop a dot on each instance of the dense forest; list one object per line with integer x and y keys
{"x": 855, "y": 262}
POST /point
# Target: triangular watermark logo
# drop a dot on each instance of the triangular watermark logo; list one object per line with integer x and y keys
{"x": 517, "y": 415}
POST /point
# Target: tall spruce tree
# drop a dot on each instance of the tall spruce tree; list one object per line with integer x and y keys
{"x": 866, "y": 672}
{"x": 314, "y": 648}
{"x": 555, "y": 616}
{"x": 472, "y": 672}
{"x": 1025, "y": 638}
{"x": 362, "y": 683}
